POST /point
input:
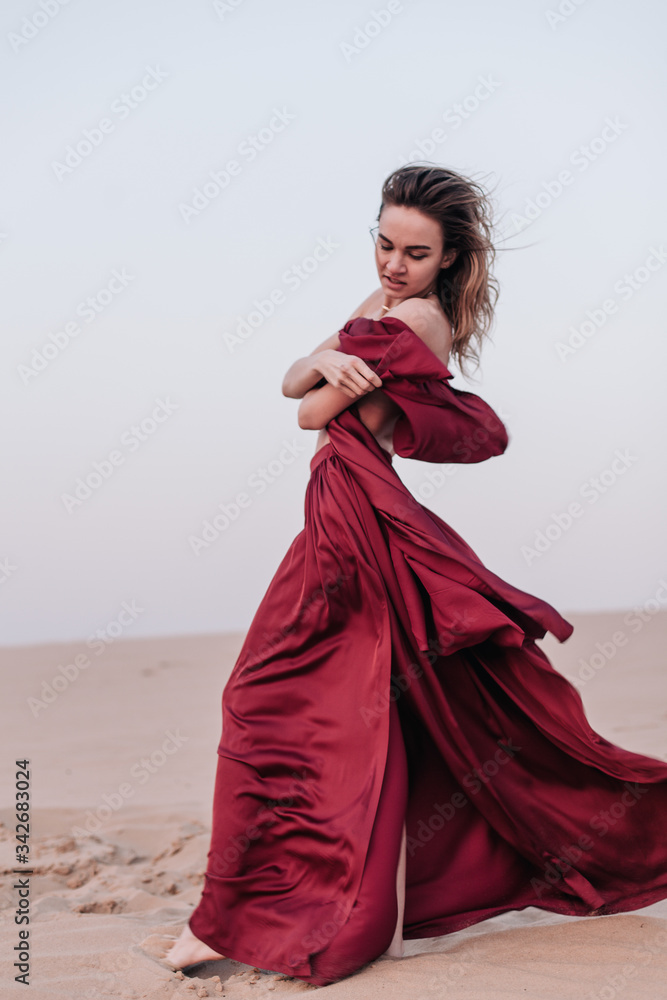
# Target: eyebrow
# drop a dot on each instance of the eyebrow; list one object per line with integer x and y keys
{"x": 415, "y": 246}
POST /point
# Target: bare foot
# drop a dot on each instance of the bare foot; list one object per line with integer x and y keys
{"x": 189, "y": 950}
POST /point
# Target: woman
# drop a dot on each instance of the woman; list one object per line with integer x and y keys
{"x": 398, "y": 756}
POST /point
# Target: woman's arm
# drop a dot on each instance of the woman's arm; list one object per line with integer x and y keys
{"x": 319, "y": 406}
{"x": 305, "y": 372}
{"x": 325, "y": 362}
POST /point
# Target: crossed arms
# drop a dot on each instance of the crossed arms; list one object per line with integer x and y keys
{"x": 348, "y": 378}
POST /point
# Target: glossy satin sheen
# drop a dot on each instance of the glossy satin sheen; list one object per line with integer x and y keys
{"x": 388, "y": 674}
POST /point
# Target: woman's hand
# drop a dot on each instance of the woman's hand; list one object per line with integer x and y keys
{"x": 347, "y": 372}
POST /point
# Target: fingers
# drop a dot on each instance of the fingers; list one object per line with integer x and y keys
{"x": 352, "y": 376}
{"x": 360, "y": 387}
{"x": 360, "y": 374}
{"x": 359, "y": 382}
{"x": 368, "y": 372}
{"x": 370, "y": 379}
{"x": 353, "y": 389}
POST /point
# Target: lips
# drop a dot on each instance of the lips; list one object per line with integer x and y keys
{"x": 393, "y": 280}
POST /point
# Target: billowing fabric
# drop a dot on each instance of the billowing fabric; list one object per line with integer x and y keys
{"x": 388, "y": 675}
{"x": 439, "y": 423}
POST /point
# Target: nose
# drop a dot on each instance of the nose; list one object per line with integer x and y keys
{"x": 395, "y": 263}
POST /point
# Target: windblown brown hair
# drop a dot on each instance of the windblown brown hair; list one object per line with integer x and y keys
{"x": 467, "y": 289}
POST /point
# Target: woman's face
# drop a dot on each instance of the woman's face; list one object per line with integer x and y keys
{"x": 408, "y": 252}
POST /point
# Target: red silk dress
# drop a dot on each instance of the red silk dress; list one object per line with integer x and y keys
{"x": 388, "y": 675}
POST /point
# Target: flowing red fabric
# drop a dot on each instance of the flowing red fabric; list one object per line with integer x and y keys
{"x": 388, "y": 675}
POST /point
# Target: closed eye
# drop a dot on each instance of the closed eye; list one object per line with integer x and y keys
{"x": 413, "y": 255}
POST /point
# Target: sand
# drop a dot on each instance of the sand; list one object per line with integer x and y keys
{"x": 122, "y": 758}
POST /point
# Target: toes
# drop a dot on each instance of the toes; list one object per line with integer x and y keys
{"x": 157, "y": 945}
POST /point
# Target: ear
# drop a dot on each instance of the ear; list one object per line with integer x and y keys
{"x": 448, "y": 258}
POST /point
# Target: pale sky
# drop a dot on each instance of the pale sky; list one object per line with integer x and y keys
{"x": 129, "y": 272}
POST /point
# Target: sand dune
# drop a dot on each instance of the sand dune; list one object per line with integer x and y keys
{"x": 122, "y": 760}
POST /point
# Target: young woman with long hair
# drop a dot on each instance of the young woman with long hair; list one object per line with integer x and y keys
{"x": 399, "y": 758}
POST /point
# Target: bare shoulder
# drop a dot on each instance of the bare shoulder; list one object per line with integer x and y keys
{"x": 370, "y": 304}
{"x": 427, "y": 318}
